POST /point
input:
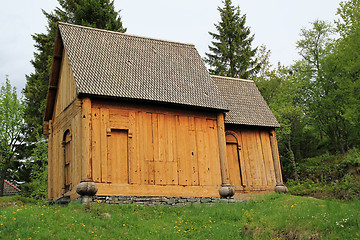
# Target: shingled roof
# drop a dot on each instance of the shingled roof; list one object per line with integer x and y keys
{"x": 245, "y": 102}
{"x": 112, "y": 64}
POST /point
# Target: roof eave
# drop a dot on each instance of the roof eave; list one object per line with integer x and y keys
{"x": 82, "y": 95}
{"x": 54, "y": 77}
{"x": 254, "y": 125}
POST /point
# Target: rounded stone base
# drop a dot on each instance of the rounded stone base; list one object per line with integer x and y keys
{"x": 226, "y": 191}
{"x": 281, "y": 188}
{"x": 86, "y": 188}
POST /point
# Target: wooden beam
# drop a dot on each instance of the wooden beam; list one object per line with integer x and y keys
{"x": 86, "y": 161}
{"x": 276, "y": 158}
{"x": 222, "y": 148}
{"x": 105, "y": 189}
{"x": 54, "y": 77}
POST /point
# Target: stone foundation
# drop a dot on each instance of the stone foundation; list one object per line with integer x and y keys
{"x": 167, "y": 201}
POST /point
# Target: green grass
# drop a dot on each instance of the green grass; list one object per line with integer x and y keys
{"x": 269, "y": 217}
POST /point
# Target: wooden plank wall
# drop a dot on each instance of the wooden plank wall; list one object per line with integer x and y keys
{"x": 257, "y": 167}
{"x": 66, "y": 90}
{"x": 70, "y": 120}
{"x": 66, "y": 116}
{"x": 159, "y": 146}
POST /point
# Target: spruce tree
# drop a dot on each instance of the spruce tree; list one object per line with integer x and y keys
{"x": 92, "y": 13}
{"x": 231, "y": 53}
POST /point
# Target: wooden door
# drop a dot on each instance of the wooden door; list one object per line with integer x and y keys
{"x": 233, "y": 160}
{"x": 67, "y": 161}
{"x": 118, "y": 166}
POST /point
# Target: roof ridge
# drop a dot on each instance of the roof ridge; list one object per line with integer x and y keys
{"x": 130, "y": 35}
{"x": 232, "y": 78}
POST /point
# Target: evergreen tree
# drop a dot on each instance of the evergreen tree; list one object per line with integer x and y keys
{"x": 92, "y": 13}
{"x": 231, "y": 53}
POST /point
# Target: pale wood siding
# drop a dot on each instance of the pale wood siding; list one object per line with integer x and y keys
{"x": 69, "y": 120}
{"x": 140, "y": 145}
{"x": 66, "y": 90}
{"x": 66, "y": 117}
{"x": 254, "y": 155}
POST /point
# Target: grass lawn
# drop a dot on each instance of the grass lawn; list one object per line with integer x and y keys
{"x": 272, "y": 216}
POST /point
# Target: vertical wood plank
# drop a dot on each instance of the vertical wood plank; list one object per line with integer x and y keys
{"x": 77, "y": 160}
{"x": 261, "y": 160}
{"x": 265, "y": 145}
{"x": 214, "y": 152}
{"x": 96, "y": 144}
{"x": 171, "y": 143}
{"x": 133, "y": 156}
{"x": 276, "y": 157}
{"x": 162, "y": 153}
{"x": 150, "y": 147}
{"x": 222, "y": 147}
{"x": 143, "y": 142}
{"x": 104, "y": 113}
{"x": 85, "y": 143}
{"x": 182, "y": 150}
{"x": 243, "y": 169}
{"x": 202, "y": 151}
{"x": 253, "y": 156}
{"x": 247, "y": 159}
{"x": 50, "y": 162}
{"x": 193, "y": 153}
{"x": 233, "y": 164}
{"x": 161, "y": 167}
{"x": 118, "y": 156}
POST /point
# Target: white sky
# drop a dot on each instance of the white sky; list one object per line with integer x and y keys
{"x": 275, "y": 23}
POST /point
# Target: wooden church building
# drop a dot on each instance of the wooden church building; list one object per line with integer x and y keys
{"x": 134, "y": 116}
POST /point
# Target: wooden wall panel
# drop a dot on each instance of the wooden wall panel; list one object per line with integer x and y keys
{"x": 233, "y": 163}
{"x": 69, "y": 119}
{"x": 134, "y": 150}
{"x": 118, "y": 156}
{"x": 215, "y": 170}
{"x": 203, "y": 152}
{"x": 260, "y": 160}
{"x": 171, "y": 168}
{"x": 66, "y": 89}
{"x": 96, "y": 144}
{"x": 183, "y": 156}
{"x": 77, "y": 141}
{"x": 269, "y": 166}
{"x": 255, "y": 155}
{"x": 105, "y": 173}
{"x": 163, "y": 147}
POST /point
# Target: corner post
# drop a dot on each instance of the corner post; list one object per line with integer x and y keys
{"x": 226, "y": 189}
{"x": 50, "y": 160}
{"x": 280, "y": 187}
{"x": 86, "y": 161}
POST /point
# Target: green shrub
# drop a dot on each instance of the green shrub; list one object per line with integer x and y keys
{"x": 329, "y": 176}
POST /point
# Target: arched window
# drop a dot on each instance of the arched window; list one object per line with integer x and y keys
{"x": 233, "y": 159}
{"x": 67, "y": 160}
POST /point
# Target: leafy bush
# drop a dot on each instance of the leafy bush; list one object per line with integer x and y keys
{"x": 329, "y": 176}
{"x": 37, "y": 187}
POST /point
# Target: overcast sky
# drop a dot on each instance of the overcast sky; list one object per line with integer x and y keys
{"x": 275, "y": 23}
